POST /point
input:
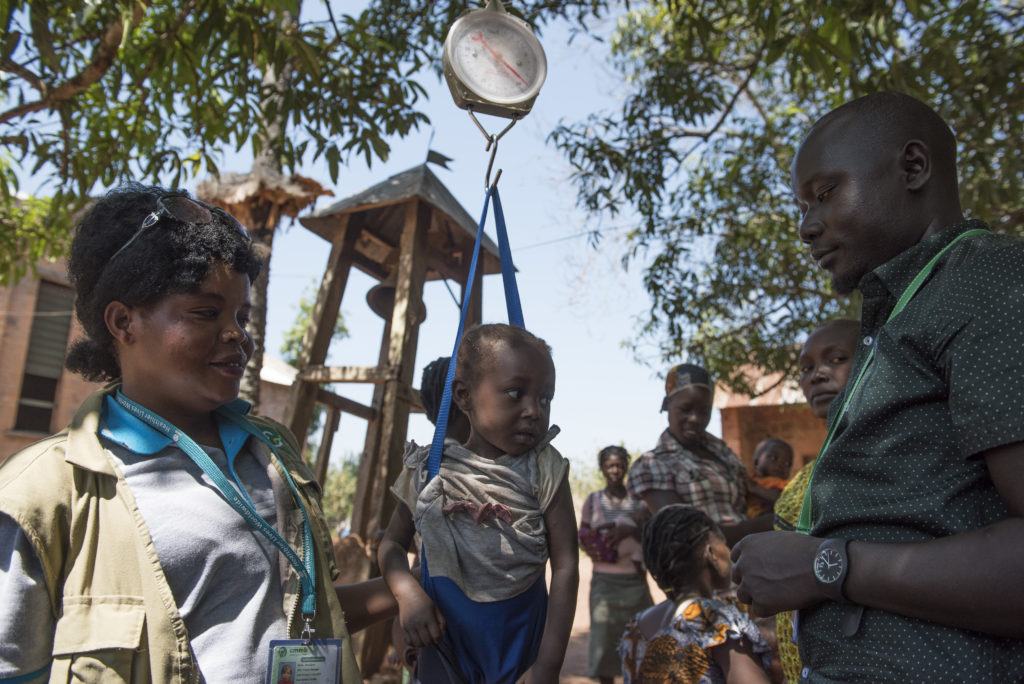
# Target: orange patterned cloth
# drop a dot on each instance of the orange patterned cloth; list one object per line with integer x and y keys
{"x": 757, "y": 506}
{"x": 681, "y": 652}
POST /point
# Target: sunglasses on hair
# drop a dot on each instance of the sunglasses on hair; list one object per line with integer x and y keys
{"x": 183, "y": 210}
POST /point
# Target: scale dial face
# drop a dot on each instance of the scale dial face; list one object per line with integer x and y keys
{"x": 497, "y": 57}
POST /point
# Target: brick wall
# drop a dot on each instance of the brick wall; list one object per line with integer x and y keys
{"x": 744, "y": 426}
{"x": 18, "y": 304}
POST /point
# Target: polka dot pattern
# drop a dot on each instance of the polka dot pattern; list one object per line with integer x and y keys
{"x": 946, "y": 384}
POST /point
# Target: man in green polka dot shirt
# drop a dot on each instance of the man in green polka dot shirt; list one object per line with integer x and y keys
{"x": 912, "y": 568}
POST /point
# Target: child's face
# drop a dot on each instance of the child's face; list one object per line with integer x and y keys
{"x": 614, "y": 469}
{"x": 824, "y": 364}
{"x": 509, "y": 406}
{"x": 773, "y": 460}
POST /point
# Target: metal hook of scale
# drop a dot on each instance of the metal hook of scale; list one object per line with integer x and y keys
{"x": 492, "y": 146}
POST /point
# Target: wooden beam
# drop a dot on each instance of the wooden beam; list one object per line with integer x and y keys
{"x": 323, "y": 454}
{"x": 317, "y": 340}
{"x": 345, "y": 404}
{"x": 382, "y": 460}
{"x": 368, "y": 374}
{"x": 412, "y": 397}
{"x": 475, "y": 314}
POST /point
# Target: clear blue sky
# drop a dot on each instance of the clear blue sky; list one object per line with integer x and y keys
{"x": 576, "y": 297}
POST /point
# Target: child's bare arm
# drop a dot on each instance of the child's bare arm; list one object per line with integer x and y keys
{"x": 739, "y": 664}
{"x": 420, "y": 619}
{"x": 365, "y": 603}
{"x": 560, "y": 519}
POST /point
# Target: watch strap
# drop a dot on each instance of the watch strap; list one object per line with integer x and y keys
{"x": 834, "y": 590}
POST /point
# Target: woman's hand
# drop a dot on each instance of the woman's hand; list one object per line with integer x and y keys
{"x": 421, "y": 621}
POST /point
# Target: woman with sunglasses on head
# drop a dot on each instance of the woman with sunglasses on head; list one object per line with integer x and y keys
{"x": 166, "y": 535}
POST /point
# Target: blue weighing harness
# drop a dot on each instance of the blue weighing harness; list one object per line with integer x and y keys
{"x": 494, "y": 642}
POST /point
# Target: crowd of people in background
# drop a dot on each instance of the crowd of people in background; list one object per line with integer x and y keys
{"x": 169, "y": 535}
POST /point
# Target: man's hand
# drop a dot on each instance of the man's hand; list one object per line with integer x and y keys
{"x": 774, "y": 571}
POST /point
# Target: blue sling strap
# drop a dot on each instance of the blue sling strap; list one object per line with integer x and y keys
{"x": 512, "y": 303}
{"x": 484, "y": 642}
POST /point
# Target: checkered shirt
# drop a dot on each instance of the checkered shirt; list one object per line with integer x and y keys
{"x": 716, "y": 485}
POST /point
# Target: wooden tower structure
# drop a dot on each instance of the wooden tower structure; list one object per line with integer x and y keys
{"x": 404, "y": 231}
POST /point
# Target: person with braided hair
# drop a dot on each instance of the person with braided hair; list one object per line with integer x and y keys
{"x": 431, "y": 389}
{"x": 694, "y": 635}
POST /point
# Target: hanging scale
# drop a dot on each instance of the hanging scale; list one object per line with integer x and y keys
{"x": 495, "y": 65}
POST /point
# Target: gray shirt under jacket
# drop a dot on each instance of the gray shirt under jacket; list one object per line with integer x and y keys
{"x": 224, "y": 575}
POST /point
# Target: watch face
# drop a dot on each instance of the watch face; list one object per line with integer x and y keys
{"x": 828, "y": 566}
{"x": 496, "y": 57}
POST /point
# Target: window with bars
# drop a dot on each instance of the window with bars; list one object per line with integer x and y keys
{"x": 47, "y": 345}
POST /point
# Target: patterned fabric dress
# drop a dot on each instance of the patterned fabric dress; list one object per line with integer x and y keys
{"x": 787, "y": 513}
{"x": 681, "y": 652}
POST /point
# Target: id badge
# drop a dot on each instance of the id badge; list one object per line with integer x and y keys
{"x": 296, "y": 661}
{"x": 795, "y": 620}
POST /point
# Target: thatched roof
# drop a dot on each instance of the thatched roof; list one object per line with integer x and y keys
{"x": 239, "y": 193}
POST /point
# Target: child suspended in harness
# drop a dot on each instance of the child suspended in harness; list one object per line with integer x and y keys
{"x": 497, "y": 511}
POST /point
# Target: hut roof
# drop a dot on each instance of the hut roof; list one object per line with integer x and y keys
{"x": 379, "y": 211}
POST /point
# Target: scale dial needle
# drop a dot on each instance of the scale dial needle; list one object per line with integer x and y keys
{"x": 479, "y": 38}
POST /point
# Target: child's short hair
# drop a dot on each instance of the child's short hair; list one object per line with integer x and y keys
{"x": 609, "y": 451}
{"x": 770, "y": 442}
{"x": 171, "y": 257}
{"x": 672, "y": 544}
{"x": 479, "y": 341}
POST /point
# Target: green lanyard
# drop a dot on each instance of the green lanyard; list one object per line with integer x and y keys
{"x": 305, "y": 566}
{"x": 804, "y": 524}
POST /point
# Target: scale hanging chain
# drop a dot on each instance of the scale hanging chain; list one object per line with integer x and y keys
{"x": 492, "y": 145}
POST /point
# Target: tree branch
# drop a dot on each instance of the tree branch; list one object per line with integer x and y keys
{"x": 102, "y": 59}
{"x": 10, "y": 66}
{"x": 731, "y": 104}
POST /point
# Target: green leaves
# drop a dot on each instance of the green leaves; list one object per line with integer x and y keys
{"x": 183, "y": 81}
{"x": 719, "y": 95}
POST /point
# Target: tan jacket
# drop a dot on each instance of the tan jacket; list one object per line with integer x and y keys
{"x": 116, "y": 619}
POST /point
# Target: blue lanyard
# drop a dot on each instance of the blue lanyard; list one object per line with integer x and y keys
{"x": 243, "y": 504}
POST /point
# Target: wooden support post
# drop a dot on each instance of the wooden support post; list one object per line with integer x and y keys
{"x": 362, "y": 506}
{"x": 323, "y": 454}
{"x": 475, "y": 314}
{"x": 401, "y": 355}
{"x": 317, "y": 340}
{"x": 384, "y": 464}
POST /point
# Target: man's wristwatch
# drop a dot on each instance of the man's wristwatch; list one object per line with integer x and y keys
{"x": 831, "y": 565}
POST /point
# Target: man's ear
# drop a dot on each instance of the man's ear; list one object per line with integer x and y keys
{"x": 916, "y": 160}
{"x": 121, "y": 320}
{"x": 460, "y": 395}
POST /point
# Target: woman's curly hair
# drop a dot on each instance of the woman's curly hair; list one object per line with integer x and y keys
{"x": 168, "y": 258}
{"x": 673, "y": 545}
